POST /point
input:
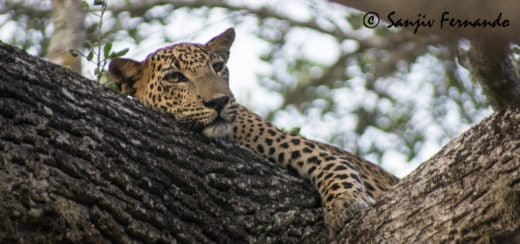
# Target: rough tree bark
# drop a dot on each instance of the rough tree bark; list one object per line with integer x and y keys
{"x": 80, "y": 163}
{"x": 493, "y": 66}
{"x": 84, "y": 164}
{"x": 469, "y": 192}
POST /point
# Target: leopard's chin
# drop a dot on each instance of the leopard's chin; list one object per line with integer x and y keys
{"x": 218, "y": 129}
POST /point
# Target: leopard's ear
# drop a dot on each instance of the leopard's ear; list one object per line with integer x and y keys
{"x": 221, "y": 43}
{"x": 125, "y": 72}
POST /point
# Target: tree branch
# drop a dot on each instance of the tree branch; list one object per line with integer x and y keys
{"x": 464, "y": 9}
{"x": 138, "y": 8}
{"x": 468, "y": 192}
{"x": 492, "y": 65}
{"x": 264, "y": 12}
{"x": 81, "y": 164}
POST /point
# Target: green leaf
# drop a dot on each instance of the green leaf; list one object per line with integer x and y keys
{"x": 355, "y": 20}
{"x": 112, "y": 86}
{"x": 90, "y": 56}
{"x": 119, "y": 53}
{"x": 73, "y": 53}
{"x": 133, "y": 33}
{"x": 84, "y": 5}
{"x": 107, "y": 49}
{"x": 99, "y": 2}
{"x": 103, "y": 79}
{"x": 88, "y": 44}
{"x": 295, "y": 131}
{"x": 92, "y": 28}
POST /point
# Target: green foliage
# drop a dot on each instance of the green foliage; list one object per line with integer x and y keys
{"x": 93, "y": 48}
{"x": 294, "y": 131}
{"x": 355, "y": 21}
{"x": 85, "y": 5}
{"x": 119, "y": 53}
{"x": 100, "y": 2}
{"x": 107, "y": 49}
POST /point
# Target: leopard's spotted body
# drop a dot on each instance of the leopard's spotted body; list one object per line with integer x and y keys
{"x": 190, "y": 81}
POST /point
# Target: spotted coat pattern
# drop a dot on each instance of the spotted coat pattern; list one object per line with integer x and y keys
{"x": 190, "y": 81}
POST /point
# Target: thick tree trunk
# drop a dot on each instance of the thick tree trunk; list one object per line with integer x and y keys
{"x": 80, "y": 163}
{"x": 68, "y": 19}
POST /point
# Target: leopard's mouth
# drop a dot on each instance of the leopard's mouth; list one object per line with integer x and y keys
{"x": 218, "y": 128}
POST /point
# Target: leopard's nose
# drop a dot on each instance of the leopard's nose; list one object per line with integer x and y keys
{"x": 217, "y": 103}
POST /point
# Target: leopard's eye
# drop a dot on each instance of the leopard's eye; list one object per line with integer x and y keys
{"x": 218, "y": 66}
{"x": 175, "y": 77}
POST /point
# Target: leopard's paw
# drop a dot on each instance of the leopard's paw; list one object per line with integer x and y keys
{"x": 343, "y": 207}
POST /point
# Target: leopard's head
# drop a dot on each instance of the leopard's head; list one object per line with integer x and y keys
{"x": 188, "y": 80}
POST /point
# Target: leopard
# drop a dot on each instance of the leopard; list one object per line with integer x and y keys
{"x": 190, "y": 81}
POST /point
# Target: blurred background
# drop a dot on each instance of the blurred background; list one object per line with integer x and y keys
{"x": 309, "y": 65}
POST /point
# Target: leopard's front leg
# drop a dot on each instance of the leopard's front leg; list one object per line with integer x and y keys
{"x": 342, "y": 207}
{"x": 343, "y": 195}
